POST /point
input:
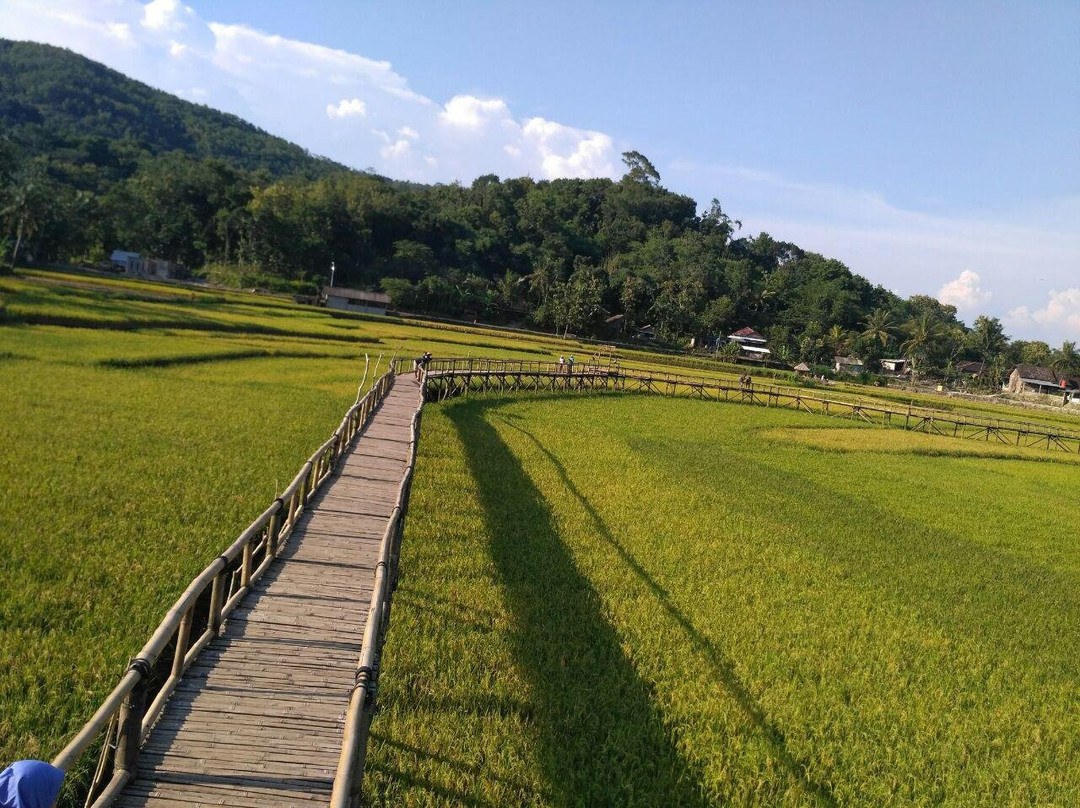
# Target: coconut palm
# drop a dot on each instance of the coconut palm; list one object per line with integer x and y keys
{"x": 24, "y": 211}
{"x": 881, "y": 326}
{"x": 1066, "y": 360}
{"x": 838, "y": 340}
{"x": 923, "y": 331}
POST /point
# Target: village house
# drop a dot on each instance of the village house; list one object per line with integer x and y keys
{"x": 751, "y": 344}
{"x": 848, "y": 364}
{"x": 646, "y": 333}
{"x": 614, "y": 326}
{"x": 1036, "y": 379}
{"x": 802, "y": 369}
{"x": 359, "y": 301}
{"x": 897, "y": 366}
{"x": 972, "y": 369}
{"x": 119, "y": 259}
{"x": 138, "y": 266}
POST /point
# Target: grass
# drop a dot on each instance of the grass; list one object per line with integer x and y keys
{"x": 119, "y": 486}
{"x": 619, "y": 600}
{"x": 636, "y": 601}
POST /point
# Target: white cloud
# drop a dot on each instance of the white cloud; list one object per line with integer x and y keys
{"x": 283, "y": 85}
{"x": 119, "y": 30}
{"x": 965, "y": 292}
{"x": 470, "y": 112}
{"x": 166, "y": 15}
{"x": 397, "y": 150}
{"x": 347, "y": 108}
{"x": 1060, "y": 316}
{"x": 569, "y": 152}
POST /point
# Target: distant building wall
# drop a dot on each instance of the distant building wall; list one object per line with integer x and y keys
{"x": 353, "y": 305}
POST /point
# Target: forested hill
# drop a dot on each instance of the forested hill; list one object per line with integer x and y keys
{"x": 56, "y": 102}
{"x": 91, "y": 161}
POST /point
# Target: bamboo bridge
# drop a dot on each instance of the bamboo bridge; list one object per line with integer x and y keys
{"x": 259, "y": 686}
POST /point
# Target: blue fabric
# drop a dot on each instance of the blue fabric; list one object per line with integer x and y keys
{"x": 30, "y": 784}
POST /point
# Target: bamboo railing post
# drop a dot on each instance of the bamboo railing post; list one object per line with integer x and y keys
{"x": 183, "y": 635}
{"x": 217, "y": 594}
{"x": 245, "y": 565}
{"x": 273, "y": 531}
{"x": 129, "y": 725}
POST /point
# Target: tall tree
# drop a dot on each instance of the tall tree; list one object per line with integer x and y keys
{"x": 640, "y": 169}
{"x": 880, "y": 326}
{"x": 987, "y": 338}
{"x": 922, "y": 332}
{"x": 1066, "y": 360}
{"x": 25, "y": 208}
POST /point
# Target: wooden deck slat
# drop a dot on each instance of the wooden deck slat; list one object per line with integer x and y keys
{"x": 257, "y": 720}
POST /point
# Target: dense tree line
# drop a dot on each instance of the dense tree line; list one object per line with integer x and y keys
{"x": 78, "y": 181}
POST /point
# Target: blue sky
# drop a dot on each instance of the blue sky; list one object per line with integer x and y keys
{"x": 933, "y": 147}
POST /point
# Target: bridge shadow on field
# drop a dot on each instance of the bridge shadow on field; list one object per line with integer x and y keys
{"x": 602, "y": 740}
{"x": 717, "y": 661}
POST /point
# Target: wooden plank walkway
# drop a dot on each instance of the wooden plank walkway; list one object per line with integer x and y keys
{"x": 258, "y": 719}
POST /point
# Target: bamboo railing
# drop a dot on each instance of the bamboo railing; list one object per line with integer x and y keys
{"x": 348, "y": 780}
{"x": 449, "y": 377}
{"x": 130, "y": 710}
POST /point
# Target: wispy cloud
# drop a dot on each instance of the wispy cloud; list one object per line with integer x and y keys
{"x": 987, "y": 264}
{"x": 249, "y": 72}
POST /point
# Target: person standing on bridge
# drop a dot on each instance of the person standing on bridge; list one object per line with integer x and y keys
{"x": 570, "y": 364}
{"x": 30, "y": 784}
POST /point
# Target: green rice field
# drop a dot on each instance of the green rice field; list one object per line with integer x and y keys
{"x": 604, "y": 600}
{"x": 640, "y": 601}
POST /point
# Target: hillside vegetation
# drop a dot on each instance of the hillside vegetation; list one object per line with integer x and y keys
{"x": 91, "y": 161}
{"x": 94, "y": 124}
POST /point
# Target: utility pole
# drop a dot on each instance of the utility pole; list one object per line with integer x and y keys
{"x": 331, "y": 274}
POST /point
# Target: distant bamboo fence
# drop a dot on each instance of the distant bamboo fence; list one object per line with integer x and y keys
{"x": 447, "y": 378}
{"x": 126, "y": 716}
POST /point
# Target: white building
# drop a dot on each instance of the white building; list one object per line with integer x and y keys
{"x": 356, "y": 300}
{"x": 848, "y": 364}
{"x": 120, "y": 259}
{"x": 751, "y": 343}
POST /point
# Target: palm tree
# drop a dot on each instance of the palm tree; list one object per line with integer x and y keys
{"x": 506, "y": 289}
{"x": 923, "y": 332}
{"x": 24, "y": 212}
{"x": 838, "y": 340}
{"x": 987, "y": 338}
{"x": 1066, "y": 360}
{"x": 881, "y": 326}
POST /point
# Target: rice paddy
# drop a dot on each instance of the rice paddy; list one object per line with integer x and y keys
{"x": 638, "y": 601}
{"x": 605, "y": 600}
